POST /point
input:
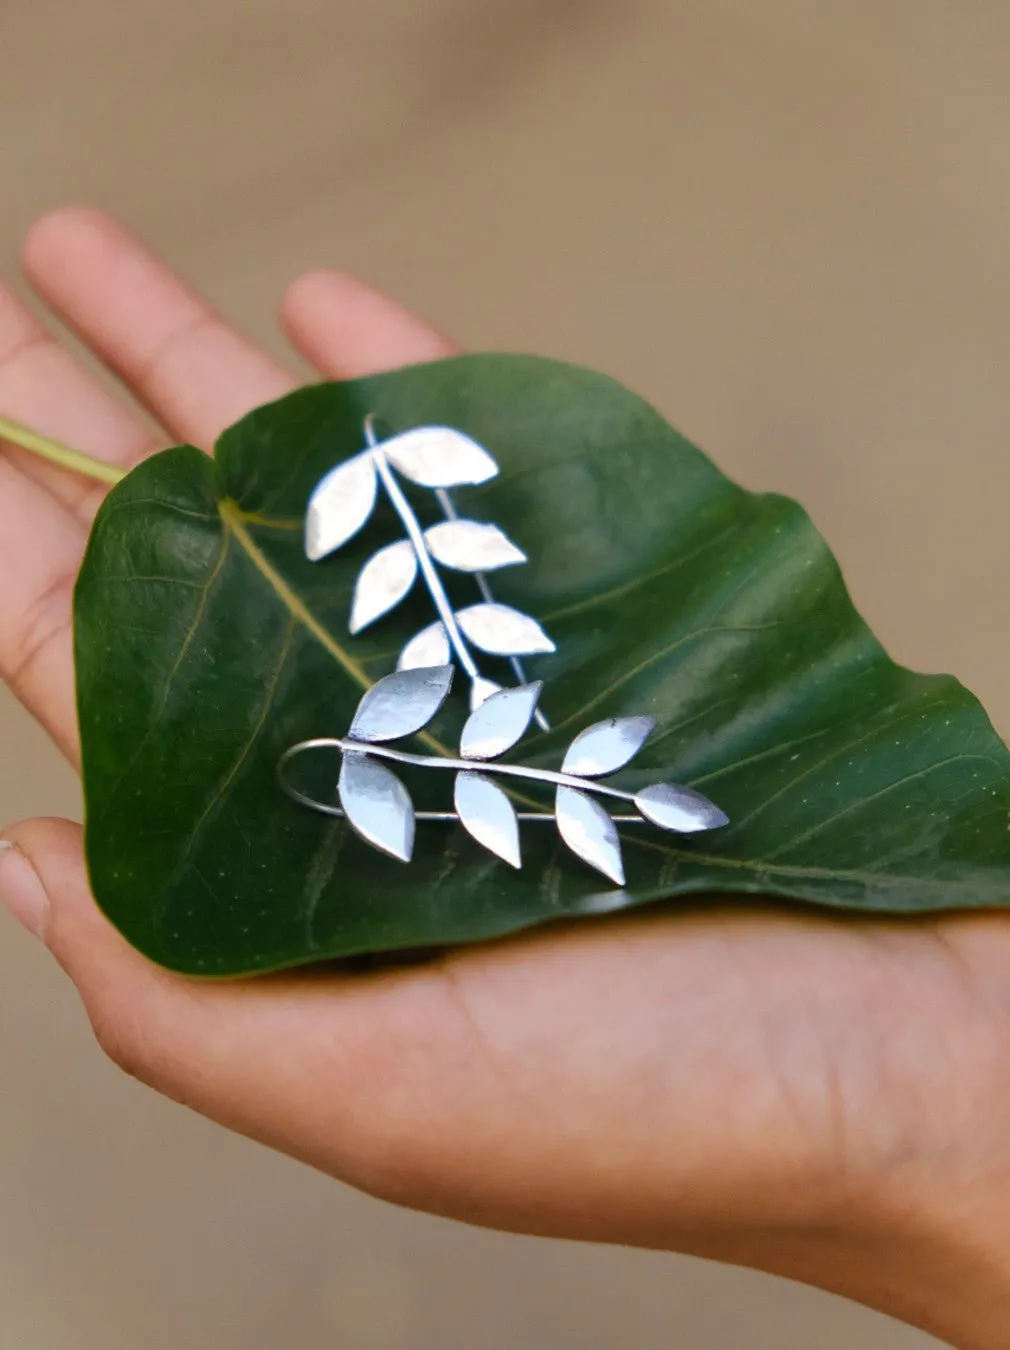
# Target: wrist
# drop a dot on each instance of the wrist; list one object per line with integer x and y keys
{"x": 944, "y": 1264}
{"x": 939, "y": 1264}
{"x": 933, "y": 1257}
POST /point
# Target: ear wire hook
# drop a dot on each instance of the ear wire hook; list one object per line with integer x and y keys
{"x": 378, "y": 806}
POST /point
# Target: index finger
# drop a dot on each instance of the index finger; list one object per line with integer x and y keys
{"x": 199, "y": 373}
{"x": 175, "y": 353}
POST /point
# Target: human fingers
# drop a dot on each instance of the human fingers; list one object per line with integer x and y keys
{"x": 40, "y": 552}
{"x": 485, "y": 1085}
{"x": 347, "y": 329}
{"x": 194, "y": 371}
{"x": 338, "y": 1071}
{"x": 44, "y": 512}
{"x": 45, "y": 388}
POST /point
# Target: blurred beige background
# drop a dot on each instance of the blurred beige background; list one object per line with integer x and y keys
{"x": 786, "y": 223}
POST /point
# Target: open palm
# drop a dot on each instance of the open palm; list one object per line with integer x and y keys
{"x": 760, "y": 1087}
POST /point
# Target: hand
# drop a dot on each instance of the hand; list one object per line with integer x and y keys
{"x": 825, "y": 1098}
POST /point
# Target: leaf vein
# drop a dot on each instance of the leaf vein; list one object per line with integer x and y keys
{"x": 221, "y": 790}
{"x": 201, "y": 608}
{"x": 232, "y": 516}
{"x": 719, "y": 630}
{"x": 873, "y": 797}
{"x": 874, "y": 731}
{"x": 636, "y": 583}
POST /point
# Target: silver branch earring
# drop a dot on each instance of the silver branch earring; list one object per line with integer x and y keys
{"x": 379, "y": 808}
{"x": 439, "y": 458}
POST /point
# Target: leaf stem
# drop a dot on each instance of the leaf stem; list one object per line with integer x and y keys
{"x": 443, "y": 817}
{"x": 438, "y": 762}
{"x": 352, "y": 747}
{"x": 448, "y": 506}
{"x": 428, "y": 569}
{"x": 57, "y": 453}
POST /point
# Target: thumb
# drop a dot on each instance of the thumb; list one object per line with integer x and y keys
{"x": 139, "y": 1012}
{"x": 292, "y": 1061}
{"x": 44, "y": 884}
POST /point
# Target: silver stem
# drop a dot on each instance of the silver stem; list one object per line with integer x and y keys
{"x": 469, "y": 765}
{"x": 443, "y": 816}
{"x": 428, "y": 569}
{"x": 381, "y": 752}
{"x": 448, "y": 506}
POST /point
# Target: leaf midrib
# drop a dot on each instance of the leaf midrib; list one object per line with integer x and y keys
{"x": 236, "y": 522}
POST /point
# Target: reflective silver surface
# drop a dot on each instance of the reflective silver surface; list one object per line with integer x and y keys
{"x": 401, "y": 704}
{"x": 404, "y": 702}
{"x": 589, "y": 832}
{"x": 382, "y": 583}
{"x": 377, "y": 806}
{"x": 607, "y": 746}
{"x": 429, "y": 571}
{"x": 340, "y": 506}
{"x": 499, "y": 722}
{"x": 484, "y": 809}
{"x": 437, "y": 458}
{"x": 429, "y": 647}
{"x": 444, "y": 498}
{"x": 472, "y": 546}
{"x": 679, "y": 808}
{"x": 503, "y": 631}
{"x": 481, "y": 690}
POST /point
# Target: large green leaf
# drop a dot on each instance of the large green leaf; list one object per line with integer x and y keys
{"x": 207, "y": 644}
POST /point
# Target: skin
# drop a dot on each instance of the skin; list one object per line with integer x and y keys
{"x": 825, "y": 1099}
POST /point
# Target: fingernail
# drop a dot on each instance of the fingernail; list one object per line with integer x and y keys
{"x": 21, "y": 890}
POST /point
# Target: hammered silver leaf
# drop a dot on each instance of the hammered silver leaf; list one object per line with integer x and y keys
{"x": 339, "y": 506}
{"x": 429, "y": 647}
{"x": 439, "y": 457}
{"x": 401, "y": 704}
{"x": 499, "y": 722}
{"x": 486, "y": 812}
{"x": 607, "y": 746}
{"x": 382, "y": 583}
{"x": 472, "y": 546}
{"x": 673, "y": 807}
{"x": 589, "y": 832}
{"x": 503, "y": 631}
{"x": 377, "y": 805}
{"x": 481, "y": 690}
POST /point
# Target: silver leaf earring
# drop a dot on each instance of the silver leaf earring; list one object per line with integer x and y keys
{"x": 379, "y": 808}
{"x": 439, "y": 458}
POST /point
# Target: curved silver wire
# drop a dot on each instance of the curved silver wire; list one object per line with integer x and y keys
{"x": 543, "y": 776}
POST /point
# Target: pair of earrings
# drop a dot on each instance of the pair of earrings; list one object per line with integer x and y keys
{"x": 371, "y": 797}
